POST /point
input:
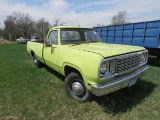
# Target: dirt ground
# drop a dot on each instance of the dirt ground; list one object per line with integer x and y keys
{"x": 3, "y": 41}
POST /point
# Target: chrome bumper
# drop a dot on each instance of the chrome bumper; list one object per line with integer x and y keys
{"x": 117, "y": 84}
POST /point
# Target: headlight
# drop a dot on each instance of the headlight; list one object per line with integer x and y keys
{"x": 103, "y": 68}
{"x": 142, "y": 58}
{"x": 107, "y": 67}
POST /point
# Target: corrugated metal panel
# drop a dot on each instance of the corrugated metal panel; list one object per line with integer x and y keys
{"x": 146, "y": 34}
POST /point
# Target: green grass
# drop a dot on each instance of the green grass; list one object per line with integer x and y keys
{"x": 30, "y": 93}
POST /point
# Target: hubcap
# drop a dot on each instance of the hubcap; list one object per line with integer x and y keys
{"x": 77, "y": 88}
{"x": 35, "y": 62}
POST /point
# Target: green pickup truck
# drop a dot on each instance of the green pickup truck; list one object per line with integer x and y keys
{"x": 90, "y": 66}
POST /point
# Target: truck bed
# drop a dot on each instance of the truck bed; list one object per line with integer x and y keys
{"x": 37, "y": 47}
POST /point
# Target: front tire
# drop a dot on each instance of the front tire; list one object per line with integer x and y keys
{"x": 76, "y": 88}
{"x": 36, "y": 62}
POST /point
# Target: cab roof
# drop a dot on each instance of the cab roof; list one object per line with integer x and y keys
{"x": 58, "y": 27}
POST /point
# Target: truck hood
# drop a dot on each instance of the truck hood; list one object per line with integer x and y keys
{"x": 107, "y": 50}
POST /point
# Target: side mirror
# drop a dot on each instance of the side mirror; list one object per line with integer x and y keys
{"x": 47, "y": 42}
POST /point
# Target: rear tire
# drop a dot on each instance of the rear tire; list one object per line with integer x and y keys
{"x": 76, "y": 88}
{"x": 36, "y": 62}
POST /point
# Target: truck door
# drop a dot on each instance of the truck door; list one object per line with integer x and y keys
{"x": 50, "y": 52}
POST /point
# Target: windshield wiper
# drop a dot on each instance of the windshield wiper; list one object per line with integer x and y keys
{"x": 74, "y": 44}
{"x": 91, "y": 41}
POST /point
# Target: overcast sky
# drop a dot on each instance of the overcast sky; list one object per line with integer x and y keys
{"x": 82, "y": 12}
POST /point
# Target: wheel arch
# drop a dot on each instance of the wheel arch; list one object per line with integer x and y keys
{"x": 32, "y": 53}
{"x": 70, "y": 68}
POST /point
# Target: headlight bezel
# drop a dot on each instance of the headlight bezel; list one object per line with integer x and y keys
{"x": 110, "y": 67}
{"x": 143, "y": 57}
{"x": 103, "y": 68}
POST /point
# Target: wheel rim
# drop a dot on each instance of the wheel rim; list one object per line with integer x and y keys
{"x": 77, "y": 88}
{"x": 35, "y": 62}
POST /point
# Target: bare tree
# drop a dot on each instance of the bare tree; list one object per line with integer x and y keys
{"x": 120, "y": 18}
{"x": 21, "y": 24}
{"x": 11, "y": 27}
{"x": 41, "y": 27}
{"x": 62, "y": 23}
{"x": 1, "y": 33}
{"x": 100, "y": 25}
{"x": 23, "y": 21}
{"x": 58, "y": 22}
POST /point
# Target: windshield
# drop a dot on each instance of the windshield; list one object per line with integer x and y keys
{"x": 78, "y": 35}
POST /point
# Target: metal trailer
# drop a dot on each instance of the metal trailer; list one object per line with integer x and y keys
{"x": 146, "y": 34}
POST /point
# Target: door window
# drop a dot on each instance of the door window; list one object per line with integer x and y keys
{"x": 54, "y": 37}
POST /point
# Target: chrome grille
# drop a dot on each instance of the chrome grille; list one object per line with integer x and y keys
{"x": 127, "y": 63}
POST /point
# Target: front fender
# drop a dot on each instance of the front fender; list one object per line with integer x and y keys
{"x": 86, "y": 63}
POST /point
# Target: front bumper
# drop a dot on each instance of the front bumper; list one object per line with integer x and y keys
{"x": 118, "y": 83}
